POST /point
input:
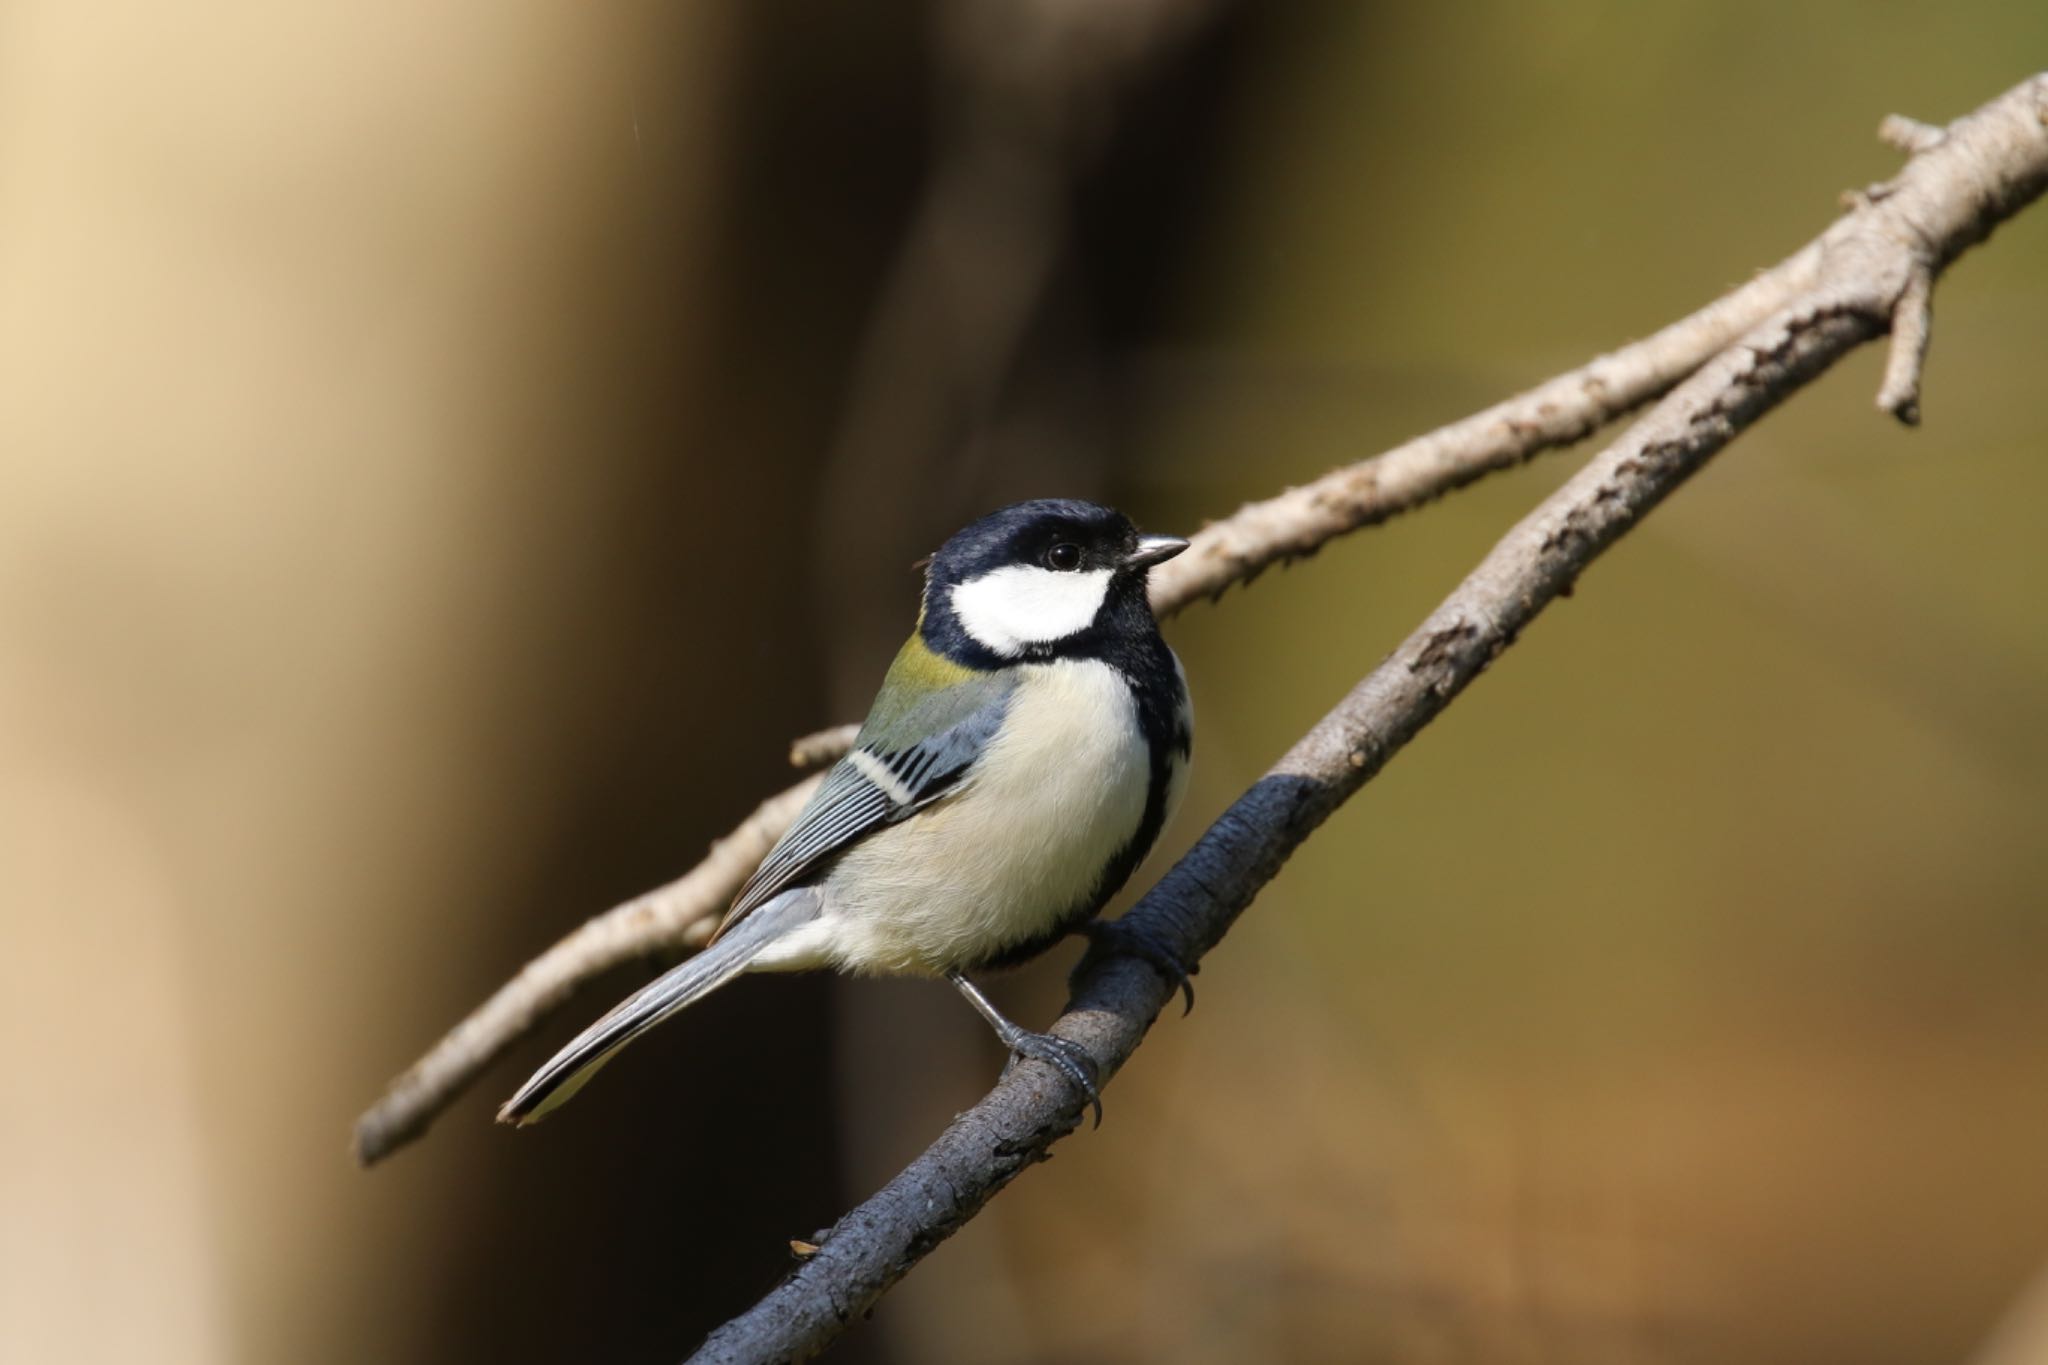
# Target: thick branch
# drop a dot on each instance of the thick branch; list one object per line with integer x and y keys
{"x": 1980, "y": 171}
{"x": 1942, "y": 208}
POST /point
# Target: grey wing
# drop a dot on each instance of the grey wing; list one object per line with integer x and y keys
{"x": 917, "y": 759}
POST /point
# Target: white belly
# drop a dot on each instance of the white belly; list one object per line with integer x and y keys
{"x": 1000, "y": 862}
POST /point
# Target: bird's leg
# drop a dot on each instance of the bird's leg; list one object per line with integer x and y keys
{"x": 1067, "y": 1058}
{"x": 1120, "y": 938}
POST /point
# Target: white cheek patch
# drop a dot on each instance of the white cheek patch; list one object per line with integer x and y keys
{"x": 1010, "y": 608}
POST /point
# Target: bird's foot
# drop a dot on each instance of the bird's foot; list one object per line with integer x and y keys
{"x": 1120, "y": 938}
{"x": 1069, "y": 1059}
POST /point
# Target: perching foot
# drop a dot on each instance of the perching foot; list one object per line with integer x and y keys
{"x": 1069, "y": 1059}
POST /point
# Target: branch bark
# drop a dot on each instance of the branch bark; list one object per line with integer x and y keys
{"x": 1984, "y": 168}
{"x": 1948, "y": 197}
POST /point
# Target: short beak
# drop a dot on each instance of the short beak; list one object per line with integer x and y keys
{"x": 1154, "y": 550}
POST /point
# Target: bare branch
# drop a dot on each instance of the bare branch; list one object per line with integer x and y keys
{"x": 1983, "y": 169}
{"x": 1551, "y": 416}
{"x": 1910, "y": 135}
{"x": 679, "y": 915}
{"x": 1912, "y": 320}
{"x": 824, "y": 746}
{"x": 1986, "y": 168}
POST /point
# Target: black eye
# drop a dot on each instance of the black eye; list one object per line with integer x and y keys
{"x": 1063, "y": 557}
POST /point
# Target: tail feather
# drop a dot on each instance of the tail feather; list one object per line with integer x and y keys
{"x": 568, "y": 1070}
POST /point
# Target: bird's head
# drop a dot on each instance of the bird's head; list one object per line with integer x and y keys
{"x": 1037, "y": 578}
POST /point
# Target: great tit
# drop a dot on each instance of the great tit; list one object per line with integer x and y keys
{"x": 1029, "y": 742}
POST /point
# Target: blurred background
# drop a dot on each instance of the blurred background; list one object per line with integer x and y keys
{"x": 447, "y": 451}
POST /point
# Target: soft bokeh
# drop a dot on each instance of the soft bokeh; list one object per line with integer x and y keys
{"x": 446, "y": 451}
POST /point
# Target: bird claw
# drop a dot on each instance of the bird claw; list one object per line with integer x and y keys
{"x": 1069, "y": 1059}
{"x": 1116, "y": 938}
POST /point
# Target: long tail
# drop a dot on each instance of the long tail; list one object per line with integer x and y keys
{"x": 568, "y": 1070}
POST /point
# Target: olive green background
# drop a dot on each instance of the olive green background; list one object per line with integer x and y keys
{"x": 419, "y": 529}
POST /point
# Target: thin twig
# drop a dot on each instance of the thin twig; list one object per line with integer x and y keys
{"x": 1912, "y": 325}
{"x": 1930, "y": 203}
{"x": 821, "y": 747}
{"x": 1909, "y": 135}
{"x": 1999, "y": 164}
{"x": 679, "y": 915}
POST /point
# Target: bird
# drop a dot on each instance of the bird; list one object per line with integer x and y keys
{"x": 1029, "y": 742}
